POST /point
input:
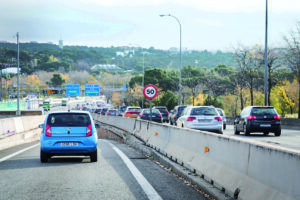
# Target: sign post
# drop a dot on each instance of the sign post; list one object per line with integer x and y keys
{"x": 150, "y": 92}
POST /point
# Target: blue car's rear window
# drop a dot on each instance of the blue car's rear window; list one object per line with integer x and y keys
{"x": 68, "y": 119}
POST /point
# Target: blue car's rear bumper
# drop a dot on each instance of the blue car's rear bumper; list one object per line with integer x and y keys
{"x": 54, "y": 145}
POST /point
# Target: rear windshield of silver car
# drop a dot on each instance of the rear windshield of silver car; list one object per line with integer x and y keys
{"x": 204, "y": 111}
{"x": 69, "y": 119}
{"x": 263, "y": 111}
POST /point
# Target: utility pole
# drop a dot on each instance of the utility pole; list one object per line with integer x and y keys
{"x": 18, "y": 78}
{"x": 180, "y": 56}
{"x": 266, "y": 56}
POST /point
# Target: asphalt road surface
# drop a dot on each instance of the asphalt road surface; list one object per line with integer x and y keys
{"x": 288, "y": 138}
{"x": 120, "y": 173}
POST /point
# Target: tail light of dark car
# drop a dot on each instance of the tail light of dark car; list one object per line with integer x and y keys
{"x": 48, "y": 130}
{"x": 143, "y": 115}
{"x": 219, "y": 119}
{"x": 108, "y": 113}
{"x": 89, "y": 130}
{"x": 251, "y": 117}
{"x": 189, "y": 119}
{"x": 159, "y": 115}
{"x": 277, "y": 117}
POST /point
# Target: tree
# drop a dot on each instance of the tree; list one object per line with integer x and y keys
{"x": 156, "y": 77}
{"x": 169, "y": 100}
{"x": 292, "y": 56}
{"x": 211, "y": 101}
{"x": 56, "y": 80}
{"x": 192, "y": 77}
{"x": 247, "y": 71}
{"x": 275, "y": 71}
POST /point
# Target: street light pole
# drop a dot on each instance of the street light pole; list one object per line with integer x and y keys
{"x": 18, "y": 77}
{"x": 180, "y": 65}
{"x": 266, "y": 56}
{"x": 143, "y": 77}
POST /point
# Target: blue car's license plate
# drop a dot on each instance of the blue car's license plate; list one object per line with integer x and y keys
{"x": 69, "y": 144}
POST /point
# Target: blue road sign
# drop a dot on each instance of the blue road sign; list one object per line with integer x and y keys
{"x": 124, "y": 87}
{"x": 72, "y": 90}
{"x": 92, "y": 90}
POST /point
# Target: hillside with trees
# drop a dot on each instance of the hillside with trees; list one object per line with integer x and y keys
{"x": 49, "y": 57}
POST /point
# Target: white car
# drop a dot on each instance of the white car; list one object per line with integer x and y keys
{"x": 202, "y": 118}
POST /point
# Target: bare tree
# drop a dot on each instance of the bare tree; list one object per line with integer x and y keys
{"x": 245, "y": 77}
{"x": 274, "y": 65}
{"x": 78, "y": 77}
{"x": 293, "y": 56}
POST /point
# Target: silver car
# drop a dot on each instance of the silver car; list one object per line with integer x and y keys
{"x": 201, "y": 117}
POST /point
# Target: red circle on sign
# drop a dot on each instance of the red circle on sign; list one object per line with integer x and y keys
{"x": 150, "y": 91}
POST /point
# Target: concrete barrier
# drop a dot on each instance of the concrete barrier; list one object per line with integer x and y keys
{"x": 240, "y": 168}
{"x": 19, "y": 130}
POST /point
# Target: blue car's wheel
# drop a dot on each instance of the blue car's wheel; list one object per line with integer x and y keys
{"x": 43, "y": 157}
{"x": 93, "y": 156}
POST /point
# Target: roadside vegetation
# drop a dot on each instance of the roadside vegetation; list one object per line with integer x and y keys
{"x": 231, "y": 80}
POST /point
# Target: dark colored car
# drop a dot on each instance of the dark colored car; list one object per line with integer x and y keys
{"x": 69, "y": 133}
{"x": 164, "y": 111}
{"x": 121, "y": 110}
{"x": 175, "y": 114}
{"x": 97, "y": 110}
{"x": 111, "y": 112}
{"x": 103, "y": 111}
{"x": 257, "y": 119}
{"x": 156, "y": 115}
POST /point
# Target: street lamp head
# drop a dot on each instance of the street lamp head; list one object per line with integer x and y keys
{"x": 165, "y": 15}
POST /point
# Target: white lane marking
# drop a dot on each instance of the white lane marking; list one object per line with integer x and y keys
{"x": 17, "y": 153}
{"x": 146, "y": 186}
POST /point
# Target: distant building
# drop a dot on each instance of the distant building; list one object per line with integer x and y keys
{"x": 61, "y": 44}
{"x": 34, "y": 42}
{"x": 106, "y": 67}
{"x": 124, "y": 53}
{"x": 11, "y": 70}
{"x": 119, "y": 53}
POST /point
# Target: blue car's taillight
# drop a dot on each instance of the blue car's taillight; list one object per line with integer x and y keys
{"x": 48, "y": 131}
{"x": 89, "y": 130}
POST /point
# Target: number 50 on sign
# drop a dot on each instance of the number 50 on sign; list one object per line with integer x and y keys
{"x": 150, "y": 91}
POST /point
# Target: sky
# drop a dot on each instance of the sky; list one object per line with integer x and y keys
{"x": 206, "y": 24}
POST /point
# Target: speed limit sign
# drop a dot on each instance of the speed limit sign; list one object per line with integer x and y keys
{"x": 150, "y": 91}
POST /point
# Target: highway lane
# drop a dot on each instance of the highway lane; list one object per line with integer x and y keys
{"x": 25, "y": 177}
{"x": 289, "y": 138}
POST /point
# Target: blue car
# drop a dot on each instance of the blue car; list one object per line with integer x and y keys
{"x": 69, "y": 133}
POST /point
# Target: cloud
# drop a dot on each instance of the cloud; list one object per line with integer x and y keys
{"x": 209, "y": 22}
{"x": 241, "y": 6}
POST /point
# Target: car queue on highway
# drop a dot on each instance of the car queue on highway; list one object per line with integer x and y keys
{"x": 264, "y": 119}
